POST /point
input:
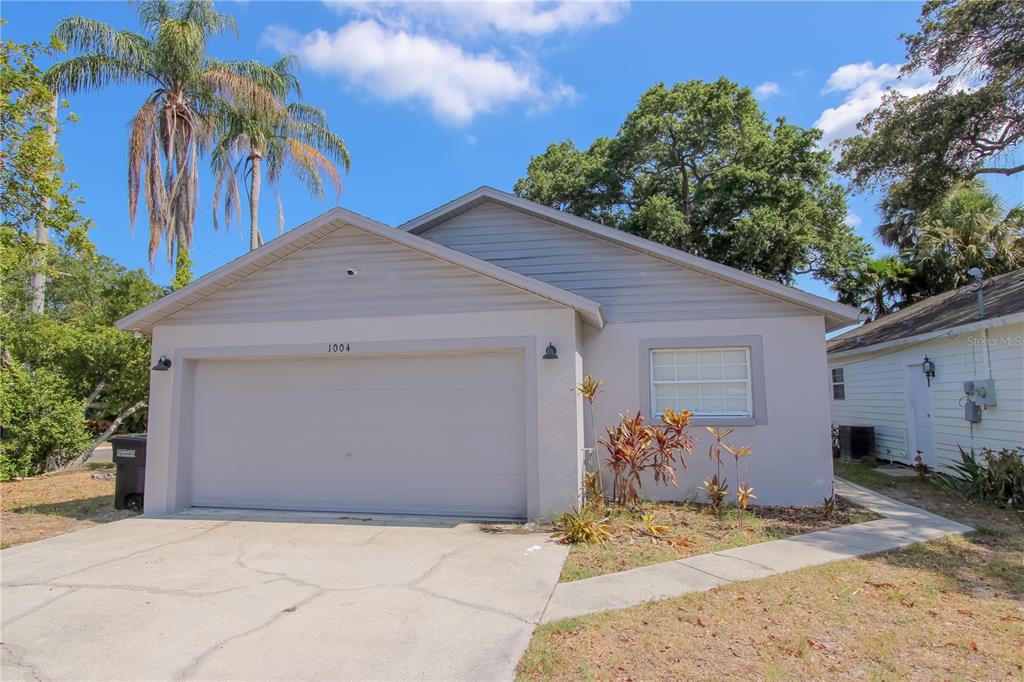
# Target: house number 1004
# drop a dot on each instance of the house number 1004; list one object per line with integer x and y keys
{"x": 338, "y": 348}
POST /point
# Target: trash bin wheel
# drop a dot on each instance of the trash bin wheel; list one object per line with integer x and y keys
{"x": 133, "y": 502}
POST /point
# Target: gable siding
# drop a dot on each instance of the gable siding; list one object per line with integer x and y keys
{"x": 876, "y": 393}
{"x": 393, "y": 280}
{"x": 631, "y": 286}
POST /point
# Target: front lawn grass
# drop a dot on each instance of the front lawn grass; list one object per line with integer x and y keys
{"x": 44, "y": 506}
{"x": 950, "y": 609}
{"x": 693, "y": 529}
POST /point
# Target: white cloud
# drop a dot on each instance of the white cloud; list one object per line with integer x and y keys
{"x": 864, "y": 86}
{"x": 853, "y": 220}
{"x": 396, "y": 65}
{"x": 504, "y": 16}
{"x": 767, "y": 89}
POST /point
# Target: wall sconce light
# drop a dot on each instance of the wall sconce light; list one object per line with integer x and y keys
{"x": 550, "y": 353}
{"x": 163, "y": 364}
{"x": 928, "y": 367}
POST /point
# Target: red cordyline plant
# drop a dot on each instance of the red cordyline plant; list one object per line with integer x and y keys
{"x": 635, "y": 447}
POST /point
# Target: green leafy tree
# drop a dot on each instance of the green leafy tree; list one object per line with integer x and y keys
{"x": 297, "y": 134}
{"x": 104, "y": 372}
{"x": 173, "y": 126}
{"x": 42, "y": 425}
{"x": 34, "y": 198}
{"x": 698, "y": 167}
{"x": 918, "y": 148}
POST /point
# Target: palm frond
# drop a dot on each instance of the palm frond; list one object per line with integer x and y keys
{"x": 302, "y": 112}
{"x": 308, "y": 163}
{"x": 243, "y": 92}
{"x": 323, "y": 139}
{"x": 83, "y": 34}
{"x": 143, "y": 130}
{"x": 92, "y": 72}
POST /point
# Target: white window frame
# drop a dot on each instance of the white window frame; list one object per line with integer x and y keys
{"x": 833, "y": 383}
{"x": 748, "y": 382}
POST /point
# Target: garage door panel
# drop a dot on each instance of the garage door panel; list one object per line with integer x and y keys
{"x": 441, "y": 433}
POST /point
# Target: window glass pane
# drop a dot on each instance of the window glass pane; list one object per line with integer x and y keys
{"x": 687, "y": 357}
{"x": 660, "y": 358}
{"x": 664, "y": 373}
{"x": 664, "y": 391}
{"x": 735, "y": 372}
{"x": 711, "y": 365}
{"x": 837, "y": 375}
{"x": 735, "y": 356}
{"x": 687, "y": 373}
{"x": 838, "y": 392}
{"x": 737, "y": 405}
{"x": 736, "y": 389}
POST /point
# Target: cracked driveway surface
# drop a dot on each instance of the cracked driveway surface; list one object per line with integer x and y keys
{"x": 263, "y": 596}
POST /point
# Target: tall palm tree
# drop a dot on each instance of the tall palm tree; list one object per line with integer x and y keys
{"x": 173, "y": 127}
{"x": 297, "y": 135}
{"x": 969, "y": 229}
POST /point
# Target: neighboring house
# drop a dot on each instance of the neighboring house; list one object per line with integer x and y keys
{"x": 353, "y": 366}
{"x": 877, "y": 378}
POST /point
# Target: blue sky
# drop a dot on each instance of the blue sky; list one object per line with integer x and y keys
{"x": 435, "y": 100}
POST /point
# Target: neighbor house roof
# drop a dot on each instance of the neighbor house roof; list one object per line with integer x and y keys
{"x": 1003, "y": 296}
{"x": 337, "y": 218}
{"x": 836, "y": 314}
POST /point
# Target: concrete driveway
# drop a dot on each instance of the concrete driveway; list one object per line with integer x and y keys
{"x": 269, "y": 596}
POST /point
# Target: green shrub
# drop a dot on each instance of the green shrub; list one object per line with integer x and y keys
{"x": 43, "y": 424}
{"x": 996, "y": 477}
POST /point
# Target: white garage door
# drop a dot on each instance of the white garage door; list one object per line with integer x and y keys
{"x": 440, "y": 433}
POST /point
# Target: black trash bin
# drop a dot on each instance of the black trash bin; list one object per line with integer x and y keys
{"x": 130, "y": 458}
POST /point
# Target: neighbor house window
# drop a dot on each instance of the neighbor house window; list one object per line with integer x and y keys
{"x": 710, "y": 382}
{"x": 838, "y": 384}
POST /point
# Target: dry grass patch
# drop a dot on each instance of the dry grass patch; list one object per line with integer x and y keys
{"x": 44, "y": 506}
{"x": 692, "y": 529}
{"x": 951, "y": 609}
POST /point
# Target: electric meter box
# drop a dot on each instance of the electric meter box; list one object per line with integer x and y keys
{"x": 981, "y": 391}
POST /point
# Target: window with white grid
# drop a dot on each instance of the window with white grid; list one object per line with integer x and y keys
{"x": 705, "y": 381}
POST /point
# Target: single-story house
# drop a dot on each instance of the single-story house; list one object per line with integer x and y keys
{"x": 350, "y": 365}
{"x": 970, "y": 341}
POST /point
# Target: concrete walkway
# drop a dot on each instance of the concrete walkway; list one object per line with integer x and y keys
{"x": 901, "y": 525}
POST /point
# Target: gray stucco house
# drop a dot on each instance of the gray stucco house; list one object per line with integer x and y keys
{"x": 350, "y": 365}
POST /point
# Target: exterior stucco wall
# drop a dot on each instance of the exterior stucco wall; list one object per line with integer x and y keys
{"x": 553, "y": 437}
{"x": 791, "y": 462}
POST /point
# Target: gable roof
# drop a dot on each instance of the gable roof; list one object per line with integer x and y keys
{"x": 1003, "y": 295}
{"x": 307, "y": 234}
{"x": 836, "y": 314}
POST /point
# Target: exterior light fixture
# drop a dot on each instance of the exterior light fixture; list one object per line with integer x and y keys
{"x": 163, "y": 364}
{"x": 928, "y": 367}
{"x": 550, "y": 353}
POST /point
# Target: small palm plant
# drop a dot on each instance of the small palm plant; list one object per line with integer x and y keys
{"x": 296, "y": 135}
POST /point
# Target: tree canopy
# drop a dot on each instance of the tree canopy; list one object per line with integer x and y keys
{"x": 916, "y": 149}
{"x": 698, "y": 167}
